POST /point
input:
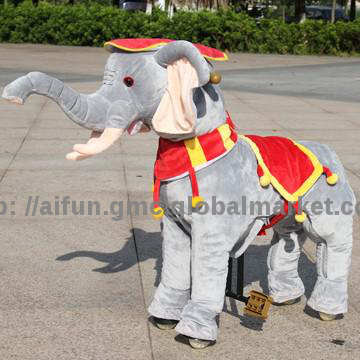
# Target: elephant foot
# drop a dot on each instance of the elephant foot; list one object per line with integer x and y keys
{"x": 288, "y": 302}
{"x": 326, "y": 317}
{"x": 200, "y": 344}
{"x": 165, "y": 324}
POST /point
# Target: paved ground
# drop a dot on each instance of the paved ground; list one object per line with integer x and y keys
{"x": 77, "y": 287}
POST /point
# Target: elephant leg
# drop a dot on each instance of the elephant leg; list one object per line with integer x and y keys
{"x": 283, "y": 258}
{"x": 173, "y": 292}
{"x": 209, "y": 267}
{"x": 333, "y": 235}
{"x": 331, "y": 229}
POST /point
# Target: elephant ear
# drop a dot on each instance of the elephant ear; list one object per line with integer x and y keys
{"x": 186, "y": 70}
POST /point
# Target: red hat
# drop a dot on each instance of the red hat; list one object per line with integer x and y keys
{"x": 141, "y": 45}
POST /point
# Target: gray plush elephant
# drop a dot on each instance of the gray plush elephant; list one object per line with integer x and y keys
{"x": 167, "y": 89}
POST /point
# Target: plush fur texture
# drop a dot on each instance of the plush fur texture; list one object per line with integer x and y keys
{"x": 206, "y": 240}
{"x": 196, "y": 247}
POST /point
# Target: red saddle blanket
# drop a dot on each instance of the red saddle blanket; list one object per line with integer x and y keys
{"x": 291, "y": 168}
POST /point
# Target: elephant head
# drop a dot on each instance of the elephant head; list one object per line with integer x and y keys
{"x": 167, "y": 90}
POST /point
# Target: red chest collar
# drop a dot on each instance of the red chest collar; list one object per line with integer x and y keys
{"x": 176, "y": 158}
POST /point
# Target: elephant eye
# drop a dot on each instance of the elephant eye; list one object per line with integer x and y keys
{"x": 128, "y": 81}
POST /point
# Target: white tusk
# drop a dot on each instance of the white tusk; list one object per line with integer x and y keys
{"x": 107, "y": 138}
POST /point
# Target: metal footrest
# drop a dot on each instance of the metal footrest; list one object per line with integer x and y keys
{"x": 258, "y": 305}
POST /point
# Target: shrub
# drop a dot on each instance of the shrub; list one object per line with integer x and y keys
{"x": 91, "y": 24}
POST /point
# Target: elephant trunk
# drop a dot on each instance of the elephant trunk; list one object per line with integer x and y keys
{"x": 88, "y": 111}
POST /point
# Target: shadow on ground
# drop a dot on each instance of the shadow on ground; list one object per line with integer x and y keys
{"x": 147, "y": 245}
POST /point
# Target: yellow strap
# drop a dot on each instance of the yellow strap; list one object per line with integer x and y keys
{"x": 225, "y": 133}
{"x": 195, "y": 151}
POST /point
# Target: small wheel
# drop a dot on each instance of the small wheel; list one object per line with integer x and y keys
{"x": 288, "y": 302}
{"x": 165, "y": 324}
{"x": 291, "y": 301}
{"x": 199, "y": 344}
{"x": 326, "y": 317}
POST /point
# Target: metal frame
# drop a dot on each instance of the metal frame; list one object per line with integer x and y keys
{"x": 256, "y": 304}
{"x": 238, "y": 294}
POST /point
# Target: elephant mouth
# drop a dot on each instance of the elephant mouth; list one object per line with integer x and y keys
{"x": 137, "y": 126}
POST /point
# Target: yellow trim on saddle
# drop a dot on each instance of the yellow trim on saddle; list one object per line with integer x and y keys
{"x": 318, "y": 170}
{"x": 196, "y": 152}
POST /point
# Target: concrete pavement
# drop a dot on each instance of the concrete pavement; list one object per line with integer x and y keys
{"x": 77, "y": 286}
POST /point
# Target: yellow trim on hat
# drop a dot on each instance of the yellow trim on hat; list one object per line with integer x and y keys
{"x": 154, "y": 46}
{"x": 224, "y": 58}
{"x": 150, "y": 47}
{"x": 310, "y": 181}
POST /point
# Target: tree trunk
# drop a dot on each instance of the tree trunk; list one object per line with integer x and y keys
{"x": 283, "y": 11}
{"x": 201, "y": 4}
{"x": 300, "y": 10}
{"x": 333, "y": 11}
{"x": 352, "y": 10}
